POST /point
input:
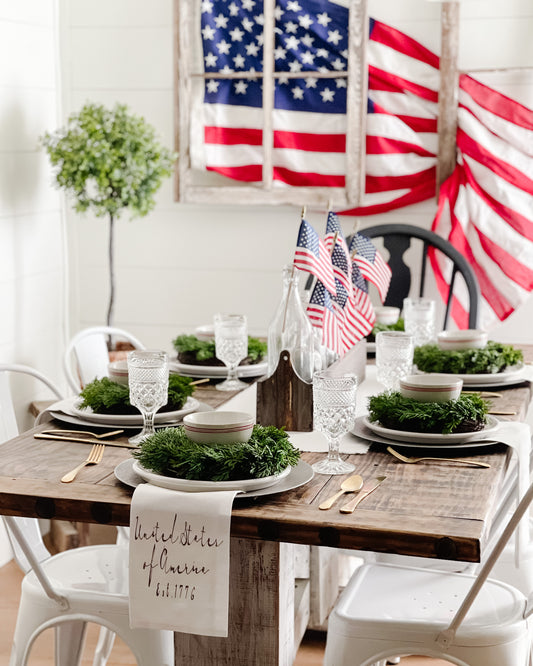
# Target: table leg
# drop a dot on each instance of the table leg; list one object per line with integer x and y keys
{"x": 261, "y": 611}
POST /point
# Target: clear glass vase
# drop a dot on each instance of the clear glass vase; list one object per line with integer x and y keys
{"x": 290, "y": 330}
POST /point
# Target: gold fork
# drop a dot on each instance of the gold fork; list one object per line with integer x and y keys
{"x": 406, "y": 459}
{"x": 95, "y": 456}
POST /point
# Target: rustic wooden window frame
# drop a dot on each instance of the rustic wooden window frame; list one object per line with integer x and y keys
{"x": 188, "y": 190}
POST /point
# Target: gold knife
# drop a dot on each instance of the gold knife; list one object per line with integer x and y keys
{"x": 124, "y": 445}
{"x": 368, "y": 488}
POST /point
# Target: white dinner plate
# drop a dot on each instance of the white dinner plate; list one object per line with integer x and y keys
{"x": 217, "y": 371}
{"x": 297, "y": 476}
{"x": 360, "y": 430}
{"x": 192, "y": 486}
{"x": 70, "y": 407}
{"x": 510, "y": 375}
{"x": 429, "y": 439}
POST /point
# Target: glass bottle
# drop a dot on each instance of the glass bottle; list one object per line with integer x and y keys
{"x": 291, "y": 330}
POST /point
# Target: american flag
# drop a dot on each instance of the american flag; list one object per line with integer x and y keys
{"x": 312, "y": 256}
{"x": 324, "y": 314}
{"x": 371, "y": 264}
{"x": 401, "y": 133}
{"x": 486, "y": 206}
{"x": 353, "y": 323}
{"x": 309, "y": 117}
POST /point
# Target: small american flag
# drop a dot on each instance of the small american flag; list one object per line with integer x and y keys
{"x": 371, "y": 264}
{"x": 486, "y": 206}
{"x": 324, "y": 313}
{"x": 312, "y": 256}
{"x": 353, "y": 323}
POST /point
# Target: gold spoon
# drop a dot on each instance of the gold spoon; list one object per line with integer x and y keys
{"x": 405, "y": 459}
{"x": 350, "y": 485}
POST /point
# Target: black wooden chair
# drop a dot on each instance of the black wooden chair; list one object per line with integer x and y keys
{"x": 397, "y": 240}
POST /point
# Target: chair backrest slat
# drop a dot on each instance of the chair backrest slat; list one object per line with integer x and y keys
{"x": 89, "y": 348}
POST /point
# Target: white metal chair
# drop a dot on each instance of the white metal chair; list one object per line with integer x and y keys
{"x": 87, "y": 355}
{"x": 68, "y": 590}
{"x": 388, "y": 611}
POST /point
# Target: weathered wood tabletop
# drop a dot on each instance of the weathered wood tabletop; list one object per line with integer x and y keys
{"x": 425, "y": 509}
{"x": 428, "y": 510}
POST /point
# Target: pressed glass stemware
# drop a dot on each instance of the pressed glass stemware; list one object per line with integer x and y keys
{"x": 231, "y": 347}
{"x": 148, "y": 383}
{"x": 333, "y": 416}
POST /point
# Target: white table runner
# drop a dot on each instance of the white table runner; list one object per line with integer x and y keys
{"x": 179, "y": 560}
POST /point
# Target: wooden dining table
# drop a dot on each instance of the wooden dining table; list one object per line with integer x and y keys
{"x": 428, "y": 510}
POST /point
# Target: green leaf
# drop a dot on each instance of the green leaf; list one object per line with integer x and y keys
{"x": 108, "y": 160}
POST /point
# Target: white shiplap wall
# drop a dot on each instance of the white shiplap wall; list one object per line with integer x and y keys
{"x": 32, "y": 257}
{"x": 181, "y": 264}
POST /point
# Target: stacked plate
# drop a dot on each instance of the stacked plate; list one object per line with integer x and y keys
{"x": 218, "y": 371}
{"x": 374, "y": 432}
{"x": 68, "y": 411}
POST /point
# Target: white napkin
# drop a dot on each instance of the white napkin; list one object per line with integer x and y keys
{"x": 179, "y": 560}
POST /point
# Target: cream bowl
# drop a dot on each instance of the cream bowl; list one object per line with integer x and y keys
{"x": 471, "y": 338}
{"x": 205, "y": 332}
{"x": 218, "y": 427}
{"x": 117, "y": 371}
{"x": 431, "y": 388}
{"x": 386, "y": 314}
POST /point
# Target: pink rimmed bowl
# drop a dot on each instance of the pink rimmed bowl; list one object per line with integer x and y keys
{"x": 431, "y": 388}
{"x": 219, "y": 427}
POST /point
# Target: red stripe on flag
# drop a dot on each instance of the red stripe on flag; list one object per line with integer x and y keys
{"x": 232, "y": 136}
{"x": 497, "y": 103}
{"x": 419, "y": 192}
{"x": 425, "y": 125}
{"x": 502, "y": 169}
{"x": 379, "y": 145}
{"x": 385, "y": 34}
{"x": 320, "y": 143}
{"x": 378, "y": 79}
{"x": 300, "y": 179}
{"x": 380, "y": 183}
{"x": 251, "y": 173}
{"x": 522, "y": 225}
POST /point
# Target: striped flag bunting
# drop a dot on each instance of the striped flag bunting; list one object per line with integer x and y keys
{"x": 486, "y": 206}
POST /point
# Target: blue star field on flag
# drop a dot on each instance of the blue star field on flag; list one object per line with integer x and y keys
{"x": 310, "y": 36}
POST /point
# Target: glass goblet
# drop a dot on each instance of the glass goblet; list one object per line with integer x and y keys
{"x": 148, "y": 382}
{"x": 231, "y": 347}
{"x": 333, "y": 416}
{"x": 394, "y": 358}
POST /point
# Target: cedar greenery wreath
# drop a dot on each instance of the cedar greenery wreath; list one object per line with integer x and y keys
{"x": 393, "y": 410}
{"x": 171, "y": 453}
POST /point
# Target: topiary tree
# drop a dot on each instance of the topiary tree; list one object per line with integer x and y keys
{"x": 107, "y": 161}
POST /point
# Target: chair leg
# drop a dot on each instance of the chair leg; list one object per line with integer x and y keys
{"x": 69, "y": 642}
{"x": 106, "y": 638}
